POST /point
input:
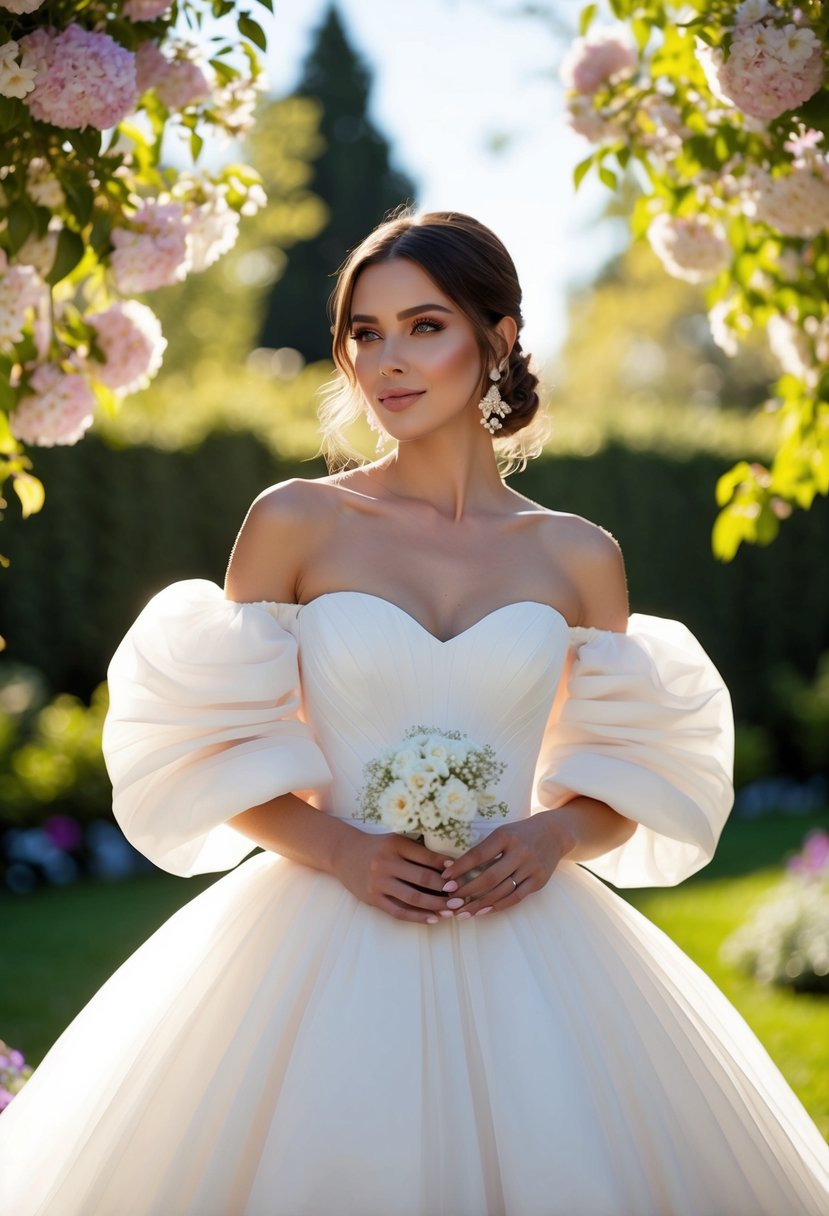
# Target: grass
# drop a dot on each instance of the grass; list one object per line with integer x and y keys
{"x": 59, "y": 945}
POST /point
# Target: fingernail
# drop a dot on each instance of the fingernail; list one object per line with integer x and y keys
{"x": 454, "y": 903}
{"x": 483, "y": 911}
{"x": 450, "y": 886}
{"x": 446, "y": 913}
{"x": 447, "y": 862}
{"x": 463, "y": 916}
{"x": 431, "y": 920}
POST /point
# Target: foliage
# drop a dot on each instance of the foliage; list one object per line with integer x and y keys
{"x": 786, "y": 941}
{"x": 722, "y": 110}
{"x": 50, "y": 760}
{"x": 88, "y": 214}
{"x": 351, "y": 174}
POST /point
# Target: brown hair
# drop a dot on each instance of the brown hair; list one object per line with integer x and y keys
{"x": 472, "y": 267}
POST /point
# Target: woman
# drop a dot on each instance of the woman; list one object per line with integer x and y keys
{"x": 353, "y": 1023}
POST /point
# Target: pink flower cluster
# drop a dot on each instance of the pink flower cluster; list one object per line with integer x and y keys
{"x": 130, "y": 338}
{"x": 14, "y": 1073}
{"x": 605, "y": 55}
{"x": 693, "y": 248}
{"x": 82, "y": 78}
{"x": 813, "y": 859}
{"x": 59, "y": 411}
{"x": 795, "y": 203}
{"x": 20, "y": 6}
{"x": 178, "y": 82}
{"x": 771, "y": 68}
{"x": 145, "y": 10}
{"x": 152, "y": 252}
{"x": 20, "y": 292}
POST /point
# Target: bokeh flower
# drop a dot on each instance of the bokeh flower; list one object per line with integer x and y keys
{"x": 58, "y": 411}
{"x": 795, "y": 203}
{"x": 20, "y": 292}
{"x": 769, "y": 69}
{"x": 145, "y": 10}
{"x": 601, "y": 56}
{"x": 693, "y": 248}
{"x": 130, "y": 338}
{"x": 153, "y": 251}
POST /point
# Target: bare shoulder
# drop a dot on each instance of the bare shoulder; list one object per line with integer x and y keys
{"x": 282, "y": 524}
{"x": 592, "y": 559}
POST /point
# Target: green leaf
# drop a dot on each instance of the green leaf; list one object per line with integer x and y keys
{"x": 30, "y": 491}
{"x": 252, "y": 30}
{"x": 268, "y": 4}
{"x": 80, "y": 199}
{"x": 582, "y": 169}
{"x": 586, "y": 19}
{"x": 69, "y": 252}
{"x": 21, "y": 220}
{"x": 608, "y": 177}
{"x": 728, "y": 483}
{"x": 196, "y": 145}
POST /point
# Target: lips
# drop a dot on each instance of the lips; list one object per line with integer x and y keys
{"x": 400, "y": 399}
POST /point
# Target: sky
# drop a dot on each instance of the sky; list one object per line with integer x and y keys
{"x": 449, "y": 77}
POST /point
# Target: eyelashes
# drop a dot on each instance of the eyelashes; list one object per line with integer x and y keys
{"x": 359, "y": 335}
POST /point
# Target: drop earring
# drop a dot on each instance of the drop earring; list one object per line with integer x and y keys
{"x": 492, "y": 406}
{"x": 374, "y": 425}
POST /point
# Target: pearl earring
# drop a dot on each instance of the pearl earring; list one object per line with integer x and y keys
{"x": 374, "y": 425}
{"x": 492, "y": 406}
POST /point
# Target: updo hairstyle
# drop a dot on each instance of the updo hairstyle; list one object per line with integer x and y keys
{"x": 470, "y": 266}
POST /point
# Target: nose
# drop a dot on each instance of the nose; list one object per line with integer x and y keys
{"x": 391, "y": 358}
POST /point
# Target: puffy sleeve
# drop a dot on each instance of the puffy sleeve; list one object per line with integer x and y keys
{"x": 202, "y": 724}
{"x": 646, "y": 727}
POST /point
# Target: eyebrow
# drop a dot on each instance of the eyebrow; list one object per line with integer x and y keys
{"x": 407, "y": 312}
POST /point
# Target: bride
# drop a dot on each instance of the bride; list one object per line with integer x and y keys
{"x": 355, "y": 1021}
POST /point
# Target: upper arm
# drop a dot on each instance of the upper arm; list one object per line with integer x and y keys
{"x": 265, "y": 559}
{"x": 597, "y": 571}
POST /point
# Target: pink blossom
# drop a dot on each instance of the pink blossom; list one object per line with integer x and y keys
{"x": 813, "y": 859}
{"x": 583, "y": 118}
{"x": 795, "y": 203}
{"x": 606, "y": 54}
{"x": 20, "y": 6}
{"x": 769, "y": 69}
{"x": 145, "y": 10}
{"x": 179, "y": 82}
{"x": 59, "y": 411}
{"x": 129, "y": 335}
{"x": 693, "y": 248}
{"x": 212, "y": 230}
{"x": 82, "y": 79}
{"x": 152, "y": 252}
{"x": 20, "y": 292}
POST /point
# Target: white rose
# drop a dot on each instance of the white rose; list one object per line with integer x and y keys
{"x": 398, "y": 807}
{"x": 456, "y": 800}
{"x": 431, "y": 815}
{"x": 405, "y": 759}
{"x": 419, "y": 778}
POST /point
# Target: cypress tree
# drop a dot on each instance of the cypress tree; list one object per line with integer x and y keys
{"x": 354, "y": 178}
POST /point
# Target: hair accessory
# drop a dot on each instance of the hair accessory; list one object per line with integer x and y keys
{"x": 492, "y": 406}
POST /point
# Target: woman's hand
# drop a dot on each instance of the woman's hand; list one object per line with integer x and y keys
{"x": 526, "y": 851}
{"x": 386, "y": 869}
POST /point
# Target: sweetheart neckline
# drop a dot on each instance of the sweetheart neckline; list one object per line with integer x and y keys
{"x": 456, "y": 636}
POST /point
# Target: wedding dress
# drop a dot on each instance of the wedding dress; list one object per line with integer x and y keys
{"x": 279, "y": 1048}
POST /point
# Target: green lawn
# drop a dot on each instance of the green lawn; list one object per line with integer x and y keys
{"x": 58, "y": 946}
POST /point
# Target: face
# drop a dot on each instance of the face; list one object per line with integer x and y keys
{"x": 415, "y": 354}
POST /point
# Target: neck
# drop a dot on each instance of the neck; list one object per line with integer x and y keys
{"x": 454, "y": 473}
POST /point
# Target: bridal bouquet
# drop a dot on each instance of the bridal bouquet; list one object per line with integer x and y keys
{"x": 433, "y": 784}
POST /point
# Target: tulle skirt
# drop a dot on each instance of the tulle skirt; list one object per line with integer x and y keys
{"x": 278, "y": 1048}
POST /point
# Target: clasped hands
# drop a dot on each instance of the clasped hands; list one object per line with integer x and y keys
{"x": 411, "y": 882}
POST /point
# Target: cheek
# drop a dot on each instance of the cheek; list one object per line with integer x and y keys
{"x": 456, "y": 359}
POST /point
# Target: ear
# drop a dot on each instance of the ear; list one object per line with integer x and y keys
{"x": 507, "y": 327}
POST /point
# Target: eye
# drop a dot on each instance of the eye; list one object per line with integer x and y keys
{"x": 362, "y": 335}
{"x": 434, "y": 325}
{"x": 359, "y": 335}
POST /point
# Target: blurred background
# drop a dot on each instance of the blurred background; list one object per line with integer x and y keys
{"x": 451, "y": 105}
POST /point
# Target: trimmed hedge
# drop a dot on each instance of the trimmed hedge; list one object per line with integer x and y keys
{"x": 119, "y": 525}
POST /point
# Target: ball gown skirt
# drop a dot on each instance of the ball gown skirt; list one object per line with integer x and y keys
{"x": 278, "y": 1048}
